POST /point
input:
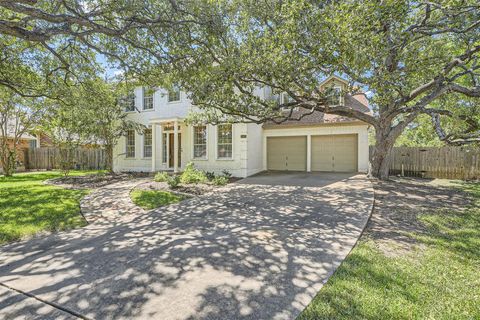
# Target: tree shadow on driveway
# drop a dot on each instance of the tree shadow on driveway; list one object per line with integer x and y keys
{"x": 248, "y": 251}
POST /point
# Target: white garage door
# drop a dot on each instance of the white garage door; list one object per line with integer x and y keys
{"x": 287, "y": 153}
{"x": 334, "y": 153}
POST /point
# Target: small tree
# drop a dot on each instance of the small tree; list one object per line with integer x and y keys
{"x": 69, "y": 127}
{"x": 106, "y": 102}
{"x": 18, "y": 116}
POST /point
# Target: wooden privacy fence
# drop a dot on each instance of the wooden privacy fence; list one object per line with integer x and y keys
{"x": 431, "y": 162}
{"x": 49, "y": 158}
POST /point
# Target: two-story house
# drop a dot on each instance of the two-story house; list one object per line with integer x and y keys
{"x": 318, "y": 142}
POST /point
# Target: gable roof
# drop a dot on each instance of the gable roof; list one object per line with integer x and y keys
{"x": 333, "y": 77}
{"x": 356, "y": 101}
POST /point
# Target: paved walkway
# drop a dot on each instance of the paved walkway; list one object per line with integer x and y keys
{"x": 111, "y": 201}
{"x": 261, "y": 249}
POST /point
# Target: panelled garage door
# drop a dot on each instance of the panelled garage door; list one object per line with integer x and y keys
{"x": 337, "y": 153}
{"x": 287, "y": 153}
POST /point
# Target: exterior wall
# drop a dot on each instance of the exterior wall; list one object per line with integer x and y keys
{"x": 254, "y": 149}
{"x": 249, "y": 140}
{"x": 162, "y": 109}
{"x": 360, "y": 129}
{"x": 237, "y": 166}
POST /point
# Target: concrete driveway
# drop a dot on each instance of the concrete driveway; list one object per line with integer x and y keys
{"x": 259, "y": 250}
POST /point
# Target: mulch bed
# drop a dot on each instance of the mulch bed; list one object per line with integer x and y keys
{"x": 90, "y": 181}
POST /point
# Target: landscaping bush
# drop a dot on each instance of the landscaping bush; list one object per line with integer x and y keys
{"x": 226, "y": 174}
{"x": 161, "y": 177}
{"x": 210, "y": 175}
{"x": 192, "y": 175}
{"x": 220, "y": 181}
{"x": 173, "y": 181}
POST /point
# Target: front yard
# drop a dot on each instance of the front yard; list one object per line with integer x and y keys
{"x": 419, "y": 257}
{"x": 27, "y": 206}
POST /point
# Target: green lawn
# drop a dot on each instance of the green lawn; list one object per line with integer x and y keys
{"x": 27, "y": 206}
{"x": 147, "y": 199}
{"x": 439, "y": 281}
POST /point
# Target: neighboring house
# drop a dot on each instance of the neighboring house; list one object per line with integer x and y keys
{"x": 25, "y": 142}
{"x": 318, "y": 142}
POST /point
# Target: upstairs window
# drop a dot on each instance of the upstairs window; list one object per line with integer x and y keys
{"x": 174, "y": 94}
{"x": 147, "y": 99}
{"x": 147, "y": 143}
{"x": 129, "y": 102}
{"x": 200, "y": 142}
{"x": 269, "y": 96}
{"x": 130, "y": 144}
{"x": 285, "y": 98}
{"x": 224, "y": 141}
{"x": 334, "y": 96}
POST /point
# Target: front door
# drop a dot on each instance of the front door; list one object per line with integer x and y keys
{"x": 171, "y": 149}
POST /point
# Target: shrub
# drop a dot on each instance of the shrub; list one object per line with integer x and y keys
{"x": 192, "y": 175}
{"x": 210, "y": 175}
{"x": 161, "y": 177}
{"x": 173, "y": 181}
{"x": 226, "y": 174}
{"x": 220, "y": 181}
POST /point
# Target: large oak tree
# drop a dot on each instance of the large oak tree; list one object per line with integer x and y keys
{"x": 407, "y": 54}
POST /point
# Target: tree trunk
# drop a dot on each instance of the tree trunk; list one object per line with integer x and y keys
{"x": 380, "y": 160}
{"x": 109, "y": 158}
{"x": 9, "y": 162}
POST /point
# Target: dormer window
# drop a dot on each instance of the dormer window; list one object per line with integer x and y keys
{"x": 147, "y": 98}
{"x": 174, "y": 94}
{"x": 129, "y": 102}
{"x": 335, "y": 96}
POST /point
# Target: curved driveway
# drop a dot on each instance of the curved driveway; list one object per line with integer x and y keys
{"x": 261, "y": 249}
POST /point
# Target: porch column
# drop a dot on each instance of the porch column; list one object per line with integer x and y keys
{"x": 309, "y": 153}
{"x": 175, "y": 146}
{"x": 154, "y": 146}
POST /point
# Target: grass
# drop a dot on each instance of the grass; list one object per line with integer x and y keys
{"x": 147, "y": 199}
{"x": 439, "y": 280}
{"x": 27, "y": 206}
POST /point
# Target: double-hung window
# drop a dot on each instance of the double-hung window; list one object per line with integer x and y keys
{"x": 224, "y": 141}
{"x": 147, "y": 98}
{"x": 147, "y": 143}
{"x": 130, "y": 144}
{"x": 200, "y": 142}
{"x": 174, "y": 94}
{"x": 335, "y": 97}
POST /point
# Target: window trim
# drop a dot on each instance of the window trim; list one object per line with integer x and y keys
{"x": 179, "y": 96}
{"x": 151, "y": 141}
{"x": 126, "y": 145}
{"x": 206, "y": 142}
{"x": 341, "y": 98}
{"x": 144, "y": 96}
{"x": 216, "y": 143}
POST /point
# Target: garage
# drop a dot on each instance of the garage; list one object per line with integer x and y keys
{"x": 287, "y": 153}
{"x": 334, "y": 153}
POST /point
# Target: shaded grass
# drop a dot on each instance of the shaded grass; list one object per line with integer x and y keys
{"x": 27, "y": 206}
{"x": 147, "y": 199}
{"x": 437, "y": 280}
